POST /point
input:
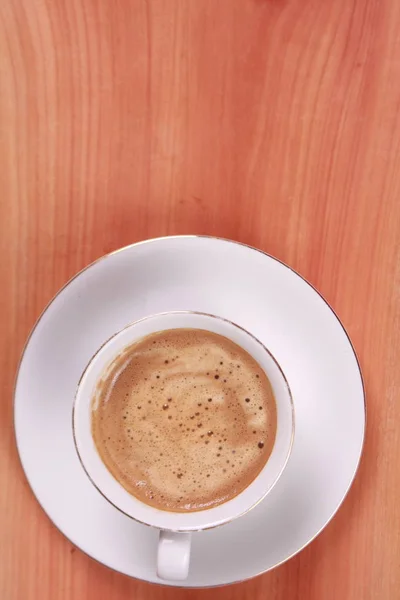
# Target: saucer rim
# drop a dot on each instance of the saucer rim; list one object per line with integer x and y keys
{"x": 175, "y": 237}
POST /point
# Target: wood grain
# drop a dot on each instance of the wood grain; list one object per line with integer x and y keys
{"x": 273, "y": 122}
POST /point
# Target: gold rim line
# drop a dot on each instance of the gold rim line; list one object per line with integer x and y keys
{"x": 234, "y": 242}
{"x": 289, "y": 451}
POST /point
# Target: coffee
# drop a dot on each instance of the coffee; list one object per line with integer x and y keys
{"x": 184, "y": 419}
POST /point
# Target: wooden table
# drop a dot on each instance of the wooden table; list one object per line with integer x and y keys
{"x": 272, "y": 122}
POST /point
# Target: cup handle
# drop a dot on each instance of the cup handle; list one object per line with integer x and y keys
{"x": 173, "y": 555}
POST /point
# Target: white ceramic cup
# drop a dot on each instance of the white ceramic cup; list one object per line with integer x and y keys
{"x": 176, "y": 527}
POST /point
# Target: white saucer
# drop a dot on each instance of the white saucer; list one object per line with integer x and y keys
{"x": 249, "y": 288}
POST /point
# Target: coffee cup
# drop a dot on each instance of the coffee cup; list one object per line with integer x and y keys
{"x": 176, "y": 527}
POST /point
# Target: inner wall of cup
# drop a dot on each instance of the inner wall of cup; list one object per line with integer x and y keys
{"x": 114, "y": 492}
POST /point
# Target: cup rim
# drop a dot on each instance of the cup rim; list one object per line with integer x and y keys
{"x": 214, "y": 525}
